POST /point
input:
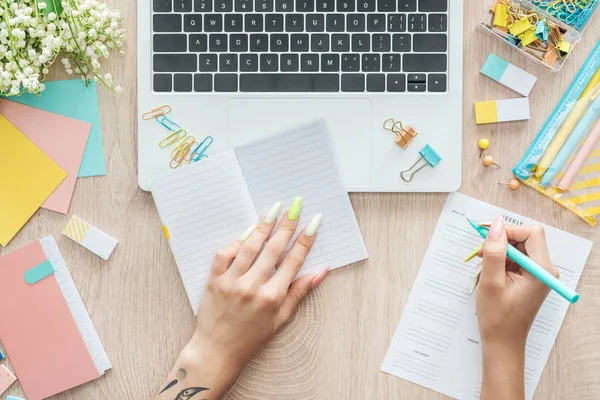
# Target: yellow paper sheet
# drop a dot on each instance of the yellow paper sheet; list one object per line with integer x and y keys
{"x": 27, "y": 178}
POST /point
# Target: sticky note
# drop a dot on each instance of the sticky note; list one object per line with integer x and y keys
{"x": 39, "y": 272}
{"x": 90, "y": 237}
{"x": 27, "y": 178}
{"x": 487, "y": 112}
{"x": 73, "y": 99}
{"x": 508, "y": 75}
{"x": 63, "y": 139}
{"x": 7, "y": 378}
{"x": 14, "y": 398}
{"x": 519, "y": 26}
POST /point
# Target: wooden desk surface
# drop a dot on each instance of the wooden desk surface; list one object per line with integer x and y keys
{"x": 335, "y": 345}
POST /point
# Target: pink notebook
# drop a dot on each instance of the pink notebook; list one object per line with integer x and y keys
{"x": 44, "y": 342}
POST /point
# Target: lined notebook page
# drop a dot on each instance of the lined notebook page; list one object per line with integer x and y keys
{"x": 302, "y": 163}
{"x": 80, "y": 314}
{"x": 205, "y": 206}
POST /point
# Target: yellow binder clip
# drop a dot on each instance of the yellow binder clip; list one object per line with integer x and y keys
{"x": 403, "y": 135}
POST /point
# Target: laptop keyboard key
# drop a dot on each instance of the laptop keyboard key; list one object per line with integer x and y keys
{"x": 397, "y": 22}
{"x": 203, "y": 6}
{"x": 290, "y": 62}
{"x": 436, "y": 83}
{"x": 243, "y": 6}
{"x": 203, "y": 83}
{"x": 417, "y": 87}
{"x": 335, "y": 22}
{"x": 340, "y": 43}
{"x": 433, "y": 5}
{"x": 163, "y": 83}
{"x": 198, "y": 43}
{"x": 169, "y": 43}
{"x": 162, "y": 6}
{"x": 381, "y": 42}
{"x": 213, "y": 23}
{"x": 361, "y": 42}
{"x": 254, "y": 23}
{"x": 305, "y": 5}
{"x": 279, "y": 43}
{"x": 386, "y": 5}
{"x": 269, "y": 63}
{"x": 370, "y": 63}
{"x": 208, "y": 63}
{"x": 263, "y": 5}
{"x": 366, "y": 5}
{"x": 299, "y": 43}
{"x": 375, "y": 22}
{"x": 182, "y": 6}
{"x": 238, "y": 43}
{"x": 223, "y": 6}
{"x": 430, "y": 42}
{"x": 315, "y": 23}
{"x": 182, "y": 82}
{"x": 294, "y": 23}
{"x": 289, "y": 82}
{"x": 274, "y": 23}
{"x": 217, "y": 43}
{"x": 375, "y": 83}
{"x": 192, "y": 23}
{"x": 438, "y": 23}
{"x": 350, "y": 62}
{"x": 401, "y": 43}
{"x": 309, "y": 63}
{"x": 425, "y": 62}
{"x": 284, "y": 5}
{"x": 346, "y": 5}
{"x": 228, "y": 63}
{"x": 353, "y": 82}
{"x": 390, "y": 62}
{"x": 226, "y": 82}
{"x": 396, "y": 83}
{"x": 319, "y": 43}
{"x": 355, "y": 23}
{"x": 325, "y": 5}
{"x": 166, "y": 23}
{"x": 234, "y": 23}
{"x": 330, "y": 62}
{"x": 259, "y": 42}
{"x": 417, "y": 22}
{"x": 175, "y": 63}
{"x": 407, "y": 5}
{"x": 249, "y": 62}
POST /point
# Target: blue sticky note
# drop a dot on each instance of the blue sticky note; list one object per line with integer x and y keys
{"x": 494, "y": 67}
{"x": 73, "y": 99}
{"x": 39, "y": 272}
{"x": 14, "y": 398}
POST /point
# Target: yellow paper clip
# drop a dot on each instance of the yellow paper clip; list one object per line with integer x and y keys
{"x": 179, "y": 157}
{"x": 403, "y": 135}
{"x": 157, "y": 112}
{"x": 187, "y": 141}
{"x": 173, "y": 138}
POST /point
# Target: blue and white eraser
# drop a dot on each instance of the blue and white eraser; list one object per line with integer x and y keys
{"x": 508, "y": 75}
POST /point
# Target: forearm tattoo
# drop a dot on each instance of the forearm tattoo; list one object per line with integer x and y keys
{"x": 185, "y": 394}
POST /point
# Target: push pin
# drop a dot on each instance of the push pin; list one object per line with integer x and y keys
{"x": 483, "y": 144}
{"x": 431, "y": 158}
{"x": 488, "y": 161}
{"x": 513, "y": 184}
{"x": 403, "y": 135}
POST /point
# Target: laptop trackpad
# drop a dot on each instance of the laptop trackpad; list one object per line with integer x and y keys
{"x": 348, "y": 122}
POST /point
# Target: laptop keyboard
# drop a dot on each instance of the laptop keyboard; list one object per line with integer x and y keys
{"x": 300, "y": 45}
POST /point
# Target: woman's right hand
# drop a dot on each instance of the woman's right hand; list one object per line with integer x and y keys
{"x": 508, "y": 300}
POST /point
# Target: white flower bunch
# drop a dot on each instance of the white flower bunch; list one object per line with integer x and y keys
{"x": 32, "y": 35}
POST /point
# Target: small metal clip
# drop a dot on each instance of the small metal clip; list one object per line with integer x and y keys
{"x": 431, "y": 158}
{"x": 403, "y": 135}
{"x": 199, "y": 152}
{"x": 172, "y": 138}
{"x": 157, "y": 112}
{"x": 168, "y": 123}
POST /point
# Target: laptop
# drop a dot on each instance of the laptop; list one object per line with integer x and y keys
{"x": 240, "y": 70}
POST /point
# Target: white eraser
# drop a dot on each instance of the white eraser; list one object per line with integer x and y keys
{"x": 90, "y": 237}
{"x": 508, "y": 75}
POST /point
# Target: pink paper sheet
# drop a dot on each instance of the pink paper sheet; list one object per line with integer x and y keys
{"x": 63, "y": 139}
{"x": 38, "y": 331}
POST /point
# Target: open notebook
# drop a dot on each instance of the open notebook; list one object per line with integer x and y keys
{"x": 208, "y": 204}
{"x": 437, "y": 343}
{"x": 45, "y": 328}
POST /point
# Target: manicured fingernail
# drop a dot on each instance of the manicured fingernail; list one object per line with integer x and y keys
{"x": 314, "y": 225}
{"x": 273, "y": 213}
{"x": 244, "y": 236}
{"x": 294, "y": 211}
{"x": 319, "y": 278}
{"x": 497, "y": 228}
{"x": 473, "y": 254}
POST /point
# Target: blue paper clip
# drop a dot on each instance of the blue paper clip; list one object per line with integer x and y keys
{"x": 168, "y": 123}
{"x": 431, "y": 157}
{"x": 199, "y": 152}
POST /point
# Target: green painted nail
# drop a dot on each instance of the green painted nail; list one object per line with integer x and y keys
{"x": 294, "y": 211}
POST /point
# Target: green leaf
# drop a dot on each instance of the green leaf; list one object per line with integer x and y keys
{"x": 52, "y": 6}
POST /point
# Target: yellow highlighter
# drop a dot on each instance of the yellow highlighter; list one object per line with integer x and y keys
{"x": 578, "y": 110}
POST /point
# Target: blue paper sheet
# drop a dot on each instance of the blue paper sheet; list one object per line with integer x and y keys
{"x": 73, "y": 99}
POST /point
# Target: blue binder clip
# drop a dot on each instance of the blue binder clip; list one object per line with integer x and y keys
{"x": 199, "y": 152}
{"x": 431, "y": 157}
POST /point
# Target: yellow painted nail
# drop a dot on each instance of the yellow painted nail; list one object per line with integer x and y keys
{"x": 294, "y": 211}
{"x": 473, "y": 254}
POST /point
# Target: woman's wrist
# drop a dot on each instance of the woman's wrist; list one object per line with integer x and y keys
{"x": 503, "y": 370}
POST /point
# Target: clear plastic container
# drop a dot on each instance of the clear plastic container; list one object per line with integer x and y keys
{"x": 551, "y": 60}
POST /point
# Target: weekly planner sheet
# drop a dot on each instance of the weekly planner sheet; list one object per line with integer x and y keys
{"x": 207, "y": 205}
{"x": 437, "y": 343}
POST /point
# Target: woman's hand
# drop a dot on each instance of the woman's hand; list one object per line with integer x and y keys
{"x": 245, "y": 303}
{"x": 508, "y": 300}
